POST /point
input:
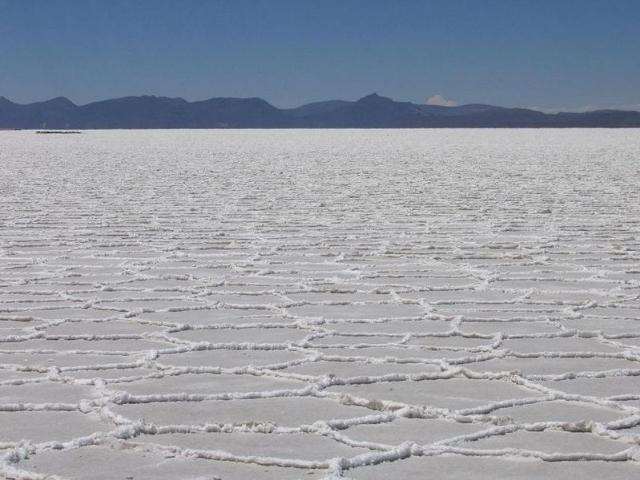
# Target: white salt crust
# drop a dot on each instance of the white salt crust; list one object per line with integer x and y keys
{"x": 320, "y": 304}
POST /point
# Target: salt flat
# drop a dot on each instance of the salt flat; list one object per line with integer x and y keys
{"x": 320, "y": 304}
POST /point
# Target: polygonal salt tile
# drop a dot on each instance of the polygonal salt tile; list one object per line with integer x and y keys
{"x": 209, "y": 317}
{"x": 206, "y": 383}
{"x": 358, "y": 311}
{"x": 243, "y": 335}
{"x": 269, "y": 281}
{"x": 247, "y": 300}
{"x": 415, "y": 282}
{"x": 393, "y": 352}
{"x": 45, "y": 392}
{"x": 550, "y": 442}
{"x": 569, "y": 297}
{"x": 109, "y": 463}
{"x": 287, "y": 411}
{"x": 108, "y": 373}
{"x": 393, "y": 326}
{"x": 508, "y": 328}
{"x": 462, "y": 296}
{"x": 598, "y": 387}
{"x": 357, "y": 369}
{"x": 550, "y": 366}
{"x": 38, "y": 360}
{"x": 109, "y": 327}
{"x": 455, "y": 467}
{"x": 330, "y": 340}
{"x": 229, "y": 358}
{"x": 158, "y": 283}
{"x": 453, "y": 393}
{"x": 556, "y": 344}
{"x": 422, "y": 432}
{"x": 150, "y": 305}
{"x": 103, "y": 296}
{"x": 606, "y": 325}
{"x": 290, "y": 446}
{"x": 25, "y": 306}
{"x": 228, "y": 289}
{"x": 453, "y": 342}
{"x": 73, "y": 313}
{"x": 559, "y": 411}
{"x": 478, "y": 311}
{"x": 47, "y": 426}
{"x": 338, "y": 297}
{"x": 553, "y": 285}
{"x": 79, "y": 345}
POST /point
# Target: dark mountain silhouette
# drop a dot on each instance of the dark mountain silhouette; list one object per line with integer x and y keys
{"x": 317, "y": 108}
{"x": 372, "y": 111}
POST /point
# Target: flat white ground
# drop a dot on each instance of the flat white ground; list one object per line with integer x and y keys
{"x": 320, "y": 304}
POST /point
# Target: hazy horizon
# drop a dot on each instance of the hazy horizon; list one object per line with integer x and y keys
{"x": 429, "y": 101}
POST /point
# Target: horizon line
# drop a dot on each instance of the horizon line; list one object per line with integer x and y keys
{"x": 373, "y": 94}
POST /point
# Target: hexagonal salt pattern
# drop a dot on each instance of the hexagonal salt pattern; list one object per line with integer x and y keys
{"x": 320, "y": 304}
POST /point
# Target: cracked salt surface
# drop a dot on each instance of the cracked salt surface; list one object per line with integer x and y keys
{"x": 320, "y": 304}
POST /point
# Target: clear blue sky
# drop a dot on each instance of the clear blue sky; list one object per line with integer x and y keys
{"x": 551, "y": 54}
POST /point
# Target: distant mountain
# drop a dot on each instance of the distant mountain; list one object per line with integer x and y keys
{"x": 317, "y": 108}
{"x": 372, "y": 111}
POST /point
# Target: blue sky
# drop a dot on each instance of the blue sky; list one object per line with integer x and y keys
{"x": 549, "y": 54}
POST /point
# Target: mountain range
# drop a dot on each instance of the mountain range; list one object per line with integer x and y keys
{"x": 371, "y": 111}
